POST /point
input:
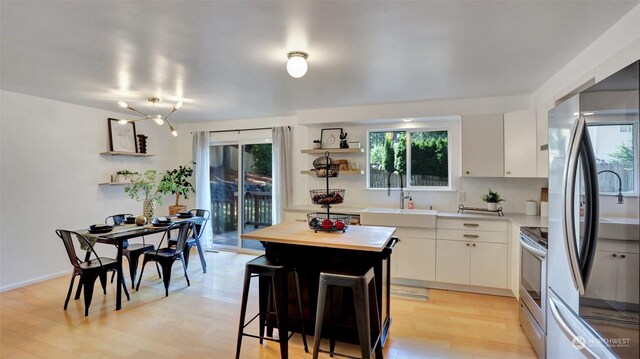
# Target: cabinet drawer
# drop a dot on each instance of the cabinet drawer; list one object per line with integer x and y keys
{"x": 403, "y": 232}
{"x": 472, "y": 236}
{"x": 473, "y": 224}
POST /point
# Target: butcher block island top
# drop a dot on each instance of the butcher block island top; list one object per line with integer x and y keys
{"x": 363, "y": 238}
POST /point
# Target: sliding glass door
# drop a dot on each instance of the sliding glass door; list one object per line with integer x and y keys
{"x": 241, "y": 183}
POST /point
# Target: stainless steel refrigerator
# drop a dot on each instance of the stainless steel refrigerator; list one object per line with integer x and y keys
{"x": 593, "y": 273}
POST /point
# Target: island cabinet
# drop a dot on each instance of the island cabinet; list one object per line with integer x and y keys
{"x": 414, "y": 257}
{"x": 472, "y": 252}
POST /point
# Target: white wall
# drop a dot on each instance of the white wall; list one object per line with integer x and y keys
{"x": 50, "y": 170}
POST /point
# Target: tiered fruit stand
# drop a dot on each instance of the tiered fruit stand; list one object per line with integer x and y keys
{"x": 327, "y": 221}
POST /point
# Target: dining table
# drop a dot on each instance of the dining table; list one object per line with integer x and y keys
{"x": 119, "y": 237}
{"x": 311, "y": 252}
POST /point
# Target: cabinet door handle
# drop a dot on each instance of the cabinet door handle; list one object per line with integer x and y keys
{"x": 300, "y": 220}
{"x": 471, "y": 225}
{"x": 467, "y": 244}
{"x": 623, "y": 256}
{"x": 474, "y": 244}
{"x": 614, "y": 255}
{"x": 470, "y": 236}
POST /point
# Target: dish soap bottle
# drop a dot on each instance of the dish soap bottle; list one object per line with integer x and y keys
{"x": 410, "y": 204}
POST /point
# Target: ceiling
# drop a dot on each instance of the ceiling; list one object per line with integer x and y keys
{"x": 226, "y": 59}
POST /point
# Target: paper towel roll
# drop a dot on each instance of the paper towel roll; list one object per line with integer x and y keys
{"x": 531, "y": 208}
{"x": 544, "y": 209}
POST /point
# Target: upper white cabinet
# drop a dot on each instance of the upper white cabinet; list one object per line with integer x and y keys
{"x": 520, "y": 144}
{"x": 482, "y": 145}
{"x": 542, "y": 139}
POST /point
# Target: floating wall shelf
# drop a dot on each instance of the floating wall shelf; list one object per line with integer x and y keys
{"x": 341, "y": 173}
{"x": 333, "y": 151}
{"x": 129, "y": 154}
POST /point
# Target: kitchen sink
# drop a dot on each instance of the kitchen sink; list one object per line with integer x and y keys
{"x": 419, "y": 218}
{"x": 619, "y": 228}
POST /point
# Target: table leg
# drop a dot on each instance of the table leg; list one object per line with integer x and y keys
{"x": 120, "y": 278}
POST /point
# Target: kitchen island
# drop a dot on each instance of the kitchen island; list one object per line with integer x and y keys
{"x": 297, "y": 245}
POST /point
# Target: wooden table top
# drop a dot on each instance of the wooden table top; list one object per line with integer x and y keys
{"x": 364, "y": 238}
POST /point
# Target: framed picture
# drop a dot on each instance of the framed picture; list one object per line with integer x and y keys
{"x": 122, "y": 138}
{"x": 330, "y": 137}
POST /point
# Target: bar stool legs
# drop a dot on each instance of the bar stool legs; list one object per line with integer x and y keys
{"x": 366, "y": 308}
{"x": 273, "y": 279}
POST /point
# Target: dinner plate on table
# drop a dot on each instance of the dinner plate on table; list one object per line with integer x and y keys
{"x": 184, "y": 215}
{"x": 161, "y": 223}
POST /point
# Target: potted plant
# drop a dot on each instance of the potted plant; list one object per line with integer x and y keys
{"x": 143, "y": 188}
{"x": 493, "y": 199}
{"x": 176, "y": 182}
{"x": 121, "y": 175}
{"x": 317, "y": 144}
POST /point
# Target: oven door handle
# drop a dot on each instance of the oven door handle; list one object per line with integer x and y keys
{"x": 535, "y": 251}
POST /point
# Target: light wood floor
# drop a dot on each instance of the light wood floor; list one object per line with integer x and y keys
{"x": 201, "y": 321}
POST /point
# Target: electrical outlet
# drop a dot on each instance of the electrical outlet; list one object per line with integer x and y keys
{"x": 462, "y": 196}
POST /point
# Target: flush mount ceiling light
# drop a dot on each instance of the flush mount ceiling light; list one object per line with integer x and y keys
{"x": 157, "y": 118}
{"x": 297, "y": 64}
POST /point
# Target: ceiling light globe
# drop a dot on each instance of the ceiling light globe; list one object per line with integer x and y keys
{"x": 122, "y": 104}
{"x": 158, "y": 119}
{"x": 297, "y": 64}
{"x": 178, "y": 105}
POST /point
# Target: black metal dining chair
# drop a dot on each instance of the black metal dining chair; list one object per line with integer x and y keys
{"x": 132, "y": 251}
{"x": 89, "y": 270}
{"x": 194, "y": 240}
{"x": 166, "y": 256}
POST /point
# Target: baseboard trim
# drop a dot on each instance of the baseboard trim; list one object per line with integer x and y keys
{"x": 455, "y": 287}
{"x": 32, "y": 281}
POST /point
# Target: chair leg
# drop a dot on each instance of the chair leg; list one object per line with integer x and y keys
{"x": 158, "y": 269}
{"x": 79, "y": 290}
{"x": 297, "y": 284}
{"x": 66, "y": 301}
{"x": 113, "y": 274}
{"x": 184, "y": 265}
{"x": 373, "y": 313}
{"x": 264, "y": 298}
{"x": 103, "y": 282}
{"x": 144, "y": 263}
{"x": 133, "y": 259}
{"x": 317, "y": 335}
{"x": 361, "y": 301}
{"x": 166, "y": 276}
{"x": 88, "y": 292}
{"x": 243, "y": 309}
{"x": 201, "y": 255}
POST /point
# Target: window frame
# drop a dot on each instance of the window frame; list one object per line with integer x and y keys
{"x": 452, "y": 127}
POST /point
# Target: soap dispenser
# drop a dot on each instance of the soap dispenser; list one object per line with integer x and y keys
{"x": 410, "y": 204}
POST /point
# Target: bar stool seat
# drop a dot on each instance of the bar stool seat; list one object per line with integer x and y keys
{"x": 274, "y": 281}
{"x": 362, "y": 283}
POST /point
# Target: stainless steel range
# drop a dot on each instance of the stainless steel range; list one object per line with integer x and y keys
{"x": 533, "y": 286}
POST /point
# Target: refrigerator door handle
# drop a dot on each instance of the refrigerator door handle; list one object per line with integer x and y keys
{"x": 568, "y": 212}
{"x": 592, "y": 210}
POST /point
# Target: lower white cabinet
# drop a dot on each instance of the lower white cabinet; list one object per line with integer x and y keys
{"x": 415, "y": 258}
{"x": 472, "y": 263}
{"x": 610, "y": 279}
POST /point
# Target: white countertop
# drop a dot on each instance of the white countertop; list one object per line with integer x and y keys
{"x": 517, "y": 218}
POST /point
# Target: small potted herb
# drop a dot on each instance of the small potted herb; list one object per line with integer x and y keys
{"x": 317, "y": 144}
{"x": 121, "y": 175}
{"x": 493, "y": 199}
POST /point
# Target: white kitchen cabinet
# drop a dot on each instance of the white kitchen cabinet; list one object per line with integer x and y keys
{"x": 488, "y": 265}
{"x": 520, "y": 146}
{"x": 482, "y": 145}
{"x": 542, "y": 139}
{"x": 415, "y": 258}
{"x": 452, "y": 261}
{"x": 295, "y": 216}
{"x": 472, "y": 252}
{"x": 610, "y": 279}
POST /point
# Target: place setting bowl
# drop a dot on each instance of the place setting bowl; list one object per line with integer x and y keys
{"x": 100, "y": 228}
{"x": 161, "y": 222}
{"x": 184, "y": 215}
{"x": 130, "y": 220}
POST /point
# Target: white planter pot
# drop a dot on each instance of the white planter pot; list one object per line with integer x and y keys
{"x": 492, "y": 206}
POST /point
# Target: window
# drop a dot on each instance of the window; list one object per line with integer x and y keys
{"x": 422, "y": 156}
{"x": 616, "y": 148}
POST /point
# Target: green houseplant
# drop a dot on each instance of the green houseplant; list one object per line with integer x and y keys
{"x": 493, "y": 199}
{"x": 176, "y": 181}
{"x": 143, "y": 188}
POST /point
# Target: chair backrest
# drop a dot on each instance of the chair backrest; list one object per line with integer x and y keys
{"x": 199, "y": 226}
{"x": 116, "y": 219}
{"x": 184, "y": 228}
{"x": 67, "y": 240}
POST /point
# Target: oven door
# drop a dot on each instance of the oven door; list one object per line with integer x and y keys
{"x": 533, "y": 280}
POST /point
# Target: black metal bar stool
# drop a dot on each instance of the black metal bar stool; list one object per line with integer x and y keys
{"x": 363, "y": 286}
{"x": 273, "y": 281}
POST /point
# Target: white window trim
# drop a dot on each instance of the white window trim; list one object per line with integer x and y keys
{"x": 454, "y": 136}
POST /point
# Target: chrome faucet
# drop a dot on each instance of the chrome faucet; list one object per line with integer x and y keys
{"x": 402, "y": 195}
{"x": 620, "y": 201}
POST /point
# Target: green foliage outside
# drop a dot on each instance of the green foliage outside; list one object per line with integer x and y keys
{"x": 401, "y": 154}
{"x": 429, "y": 153}
{"x": 262, "y": 159}
{"x": 389, "y": 157}
{"x": 623, "y": 155}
